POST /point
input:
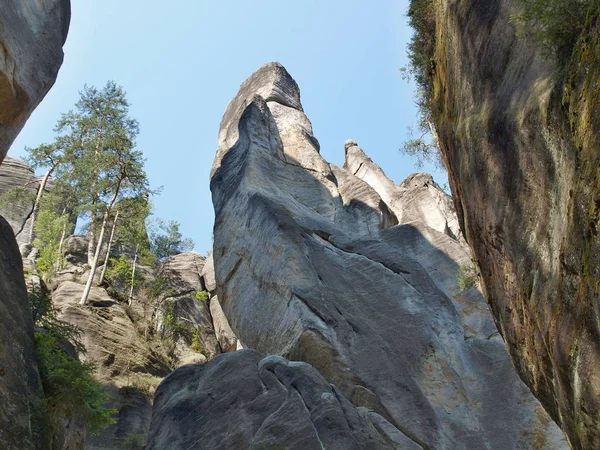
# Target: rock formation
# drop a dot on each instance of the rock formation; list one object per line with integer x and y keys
{"x": 310, "y": 264}
{"x": 245, "y": 400}
{"x": 22, "y": 420}
{"x": 31, "y": 39}
{"x": 183, "y": 273}
{"x": 32, "y": 35}
{"x": 15, "y": 173}
{"x": 519, "y": 138}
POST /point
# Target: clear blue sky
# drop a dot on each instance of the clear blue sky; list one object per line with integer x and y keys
{"x": 181, "y": 62}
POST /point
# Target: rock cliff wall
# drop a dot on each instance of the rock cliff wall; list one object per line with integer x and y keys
{"x": 15, "y": 173}
{"x": 31, "y": 40}
{"x": 519, "y": 138}
{"x": 22, "y": 418}
{"x": 311, "y": 264}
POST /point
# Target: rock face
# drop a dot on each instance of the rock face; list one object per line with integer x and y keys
{"x": 228, "y": 341}
{"x": 31, "y": 38}
{"x": 22, "y": 421}
{"x": 521, "y": 147}
{"x": 310, "y": 264}
{"x": 183, "y": 273}
{"x": 245, "y": 400}
{"x": 16, "y": 173}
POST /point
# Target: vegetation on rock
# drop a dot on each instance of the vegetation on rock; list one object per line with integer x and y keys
{"x": 555, "y": 25}
{"x": 70, "y": 390}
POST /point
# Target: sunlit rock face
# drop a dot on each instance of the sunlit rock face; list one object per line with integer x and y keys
{"x": 316, "y": 264}
{"x": 520, "y": 141}
{"x": 15, "y": 173}
{"x": 32, "y": 34}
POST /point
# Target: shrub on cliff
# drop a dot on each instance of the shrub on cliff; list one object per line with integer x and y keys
{"x": 554, "y": 24}
{"x": 69, "y": 388}
{"x": 422, "y": 142}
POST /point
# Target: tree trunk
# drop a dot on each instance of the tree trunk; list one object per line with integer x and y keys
{"x": 62, "y": 241}
{"x": 133, "y": 274}
{"x": 91, "y": 232}
{"x": 88, "y": 285}
{"x": 36, "y": 204}
{"x": 109, "y": 246}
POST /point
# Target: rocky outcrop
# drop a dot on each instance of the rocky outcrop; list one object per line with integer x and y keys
{"x": 196, "y": 341}
{"x": 228, "y": 341}
{"x": 15, "y": 173}
{"x": 31, "y": 38}
{"x": 310, "y": 264}
{"x": 520, "y": 142}
{"x": 245, "y": 400}
{"x": 22, "y": 422}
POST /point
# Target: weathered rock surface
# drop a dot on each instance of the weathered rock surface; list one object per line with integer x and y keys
{"x": 309, "y": 265}
{"x": 22, "y": 421}
{"x": 228, "y": 341}
{"x": 183, "y": 273}
{"x": 418, "y": 198}
{"x": 16, "y": 173}
{"x": 523, "y": 160}
{"x": 245, "y": 400}
{"x": 31, "y": 38}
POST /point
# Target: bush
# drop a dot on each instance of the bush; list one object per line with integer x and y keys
{"x": 69, "y": 389}
{"x": 134, "y": 441}
{"x": 554, "y": 24}
{"x": 467, "y": 277}
{"x": 197, "y": 344}
{"x": 422, "y": 143}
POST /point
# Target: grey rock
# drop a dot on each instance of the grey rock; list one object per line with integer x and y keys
{"x": 31, "y": 38}
{"x": 208, "y": 274}
{"x": 228, "y": 341}
{"x": 183, "y": 273}
{"x": 309, "y": 266}
{"x": 245, "y": 400}
{"x": 15, "y": 173}
{"x": 22, "y": 422}
{"x": 522, "y": 154}
{"x": 134, "y": 407}
{"x": 418, "y": 198}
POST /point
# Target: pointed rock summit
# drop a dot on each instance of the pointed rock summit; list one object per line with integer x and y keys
{"x": 341, "y": 269}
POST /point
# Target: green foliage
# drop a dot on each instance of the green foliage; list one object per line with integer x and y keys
{"x": 468, "y": 277}
{"x": 134, "y": 441}
{"x": 119, "y": 274}
{"x": 202, "y": 298}
{"x": 18, "y": 195}
{"x": 166, "y": 239}
{"x": 69, "y": 389}
{"x": 422, "y": 143}
{"x": 197, "y": 344}
{"x": 173, "y": 326}
{"x": 554, "y": 24}
{"x": 45, "y": 316}
{"x": 50, "y": 226}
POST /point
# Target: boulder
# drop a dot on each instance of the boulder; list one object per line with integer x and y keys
{"x": 245, "y": 400}
{"x": 310, "y": 265}
{"x": 32, "y": 35}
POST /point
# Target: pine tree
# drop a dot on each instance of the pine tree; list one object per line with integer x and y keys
{"x": 100, "y": 162}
